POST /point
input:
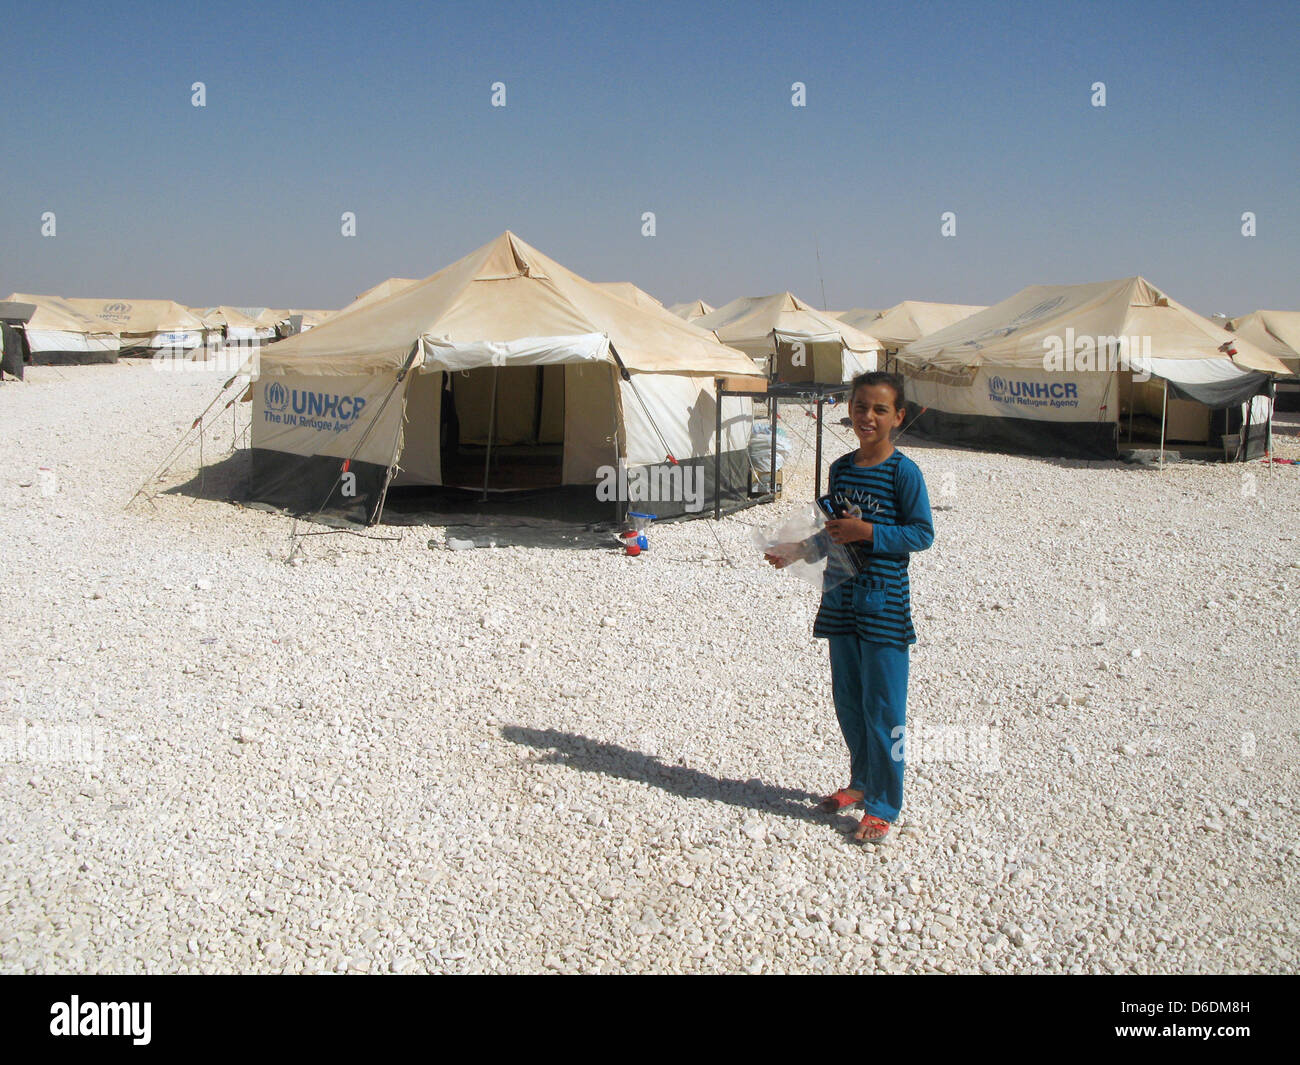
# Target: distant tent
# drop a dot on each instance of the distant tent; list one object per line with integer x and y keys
{"x": 791, "y": 340}
{"x": 911, "y": 320}
{"x": 1278, "y": 333}
{"x": 59, "y": 334}
{"x": 14, "y": 355}
{"x": 628, "y": 292}
{"x": 502, "y": 372}
{"x": 266, "y": 321}
{"x": 1049, "y": 371}
{"x": 230, "y": 324}
{"x": 311, "y": 319}
{"x": 379, "y": 292}
{"x": 214, "y": 327}
{"x": 691, "y": 310}
{"x": 13, "y": 352}
{"x": 858, "y": 317}
{"x": 145, "y": 326}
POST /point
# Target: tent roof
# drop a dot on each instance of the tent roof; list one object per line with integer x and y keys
{"x": 264, "y": 317}
{"x": 859, "y": 318}
{"x": 912, "y": 319}
{"x": 216, "y": 317}
{"x": 1277, "y": 332}
{"x": 627, "y": 291}
{"x": 506, "y": 290}
{"x": 1012, "y": 333}
{"x": 749, "y": 322}
{"x": 56, "y": 313}
{"x": 691, "y": 309}
{"x": 137, "y": 316}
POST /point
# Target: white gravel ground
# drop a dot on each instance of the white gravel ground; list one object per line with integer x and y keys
{"x": 398, "y": 758}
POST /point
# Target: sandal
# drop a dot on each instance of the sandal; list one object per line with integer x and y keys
{"x": 833, "y": 804}
{"x": 871, "y": 829}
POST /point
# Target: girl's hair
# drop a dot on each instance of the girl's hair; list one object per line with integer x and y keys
{"x": 880, "y": 377}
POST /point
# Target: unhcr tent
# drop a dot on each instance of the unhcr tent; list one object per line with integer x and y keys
{"x": 691, "y": 310}
{"x": 1052, "y": 369}
{"x": 58, "y": 334}
{"x": 791, "y": 340}
{"x": 145, "y": 326}
{"x": 503, "y": 371}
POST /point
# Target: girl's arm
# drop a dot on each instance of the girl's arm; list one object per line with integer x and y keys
{"x": 915, "y": 528}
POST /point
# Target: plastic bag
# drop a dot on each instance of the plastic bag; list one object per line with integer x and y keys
{"x": 760, "y": 447}
{"x": 812, "y": 557}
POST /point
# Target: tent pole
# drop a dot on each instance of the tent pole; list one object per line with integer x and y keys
{"x": 1164, "y": 405}
{"x": 1268, "y": 438}
{"x": 620, "y": 504}
{"x": 817, "y": 474}
{"x": 492, "y": 426}
{"x": 1244, "y": 449}
{"x": 1132, "y": 396}
{"x": 717, "y": 449}
{"x": 771, "y": 463}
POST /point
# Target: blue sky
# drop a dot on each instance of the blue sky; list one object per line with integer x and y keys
{"x": 685, "y": 110}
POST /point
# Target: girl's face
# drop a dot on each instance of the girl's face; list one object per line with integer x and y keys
{"x": 874, "y": 414}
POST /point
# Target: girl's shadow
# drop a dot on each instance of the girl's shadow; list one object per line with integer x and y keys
{"x": 609, "y": 759}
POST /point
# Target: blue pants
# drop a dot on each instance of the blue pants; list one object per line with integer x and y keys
{"x": 869, "y": 684}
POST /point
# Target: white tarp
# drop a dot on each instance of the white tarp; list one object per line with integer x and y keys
{"x": 443, "y": 354}
{"x": 666, "y": 397}
{"x": 39, "y": 340}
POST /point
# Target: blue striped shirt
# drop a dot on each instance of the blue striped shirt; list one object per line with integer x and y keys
{"x": 877, "y": 604}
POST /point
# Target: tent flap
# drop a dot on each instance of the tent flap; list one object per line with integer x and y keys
{"x": 444, "y": 354}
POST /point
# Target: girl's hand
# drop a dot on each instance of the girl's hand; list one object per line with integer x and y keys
{"x": 849, "y": 530}
{"x": 782, "y": 555}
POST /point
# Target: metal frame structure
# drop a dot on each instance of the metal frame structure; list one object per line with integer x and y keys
{"x": 773, "y": 393}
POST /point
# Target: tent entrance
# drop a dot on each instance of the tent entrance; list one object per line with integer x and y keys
{"x": 510, "y": 428}
{"x": 1150, "y": 411}
{"x": 503, "y": 428}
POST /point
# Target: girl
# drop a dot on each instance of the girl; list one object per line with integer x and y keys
{"x": 867, "y": 621}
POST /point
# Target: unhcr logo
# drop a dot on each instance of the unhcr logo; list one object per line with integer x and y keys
{"x": 302, "y": 409}
{"x": 1033, "y": 393}
{"x": 115, "y": 312}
